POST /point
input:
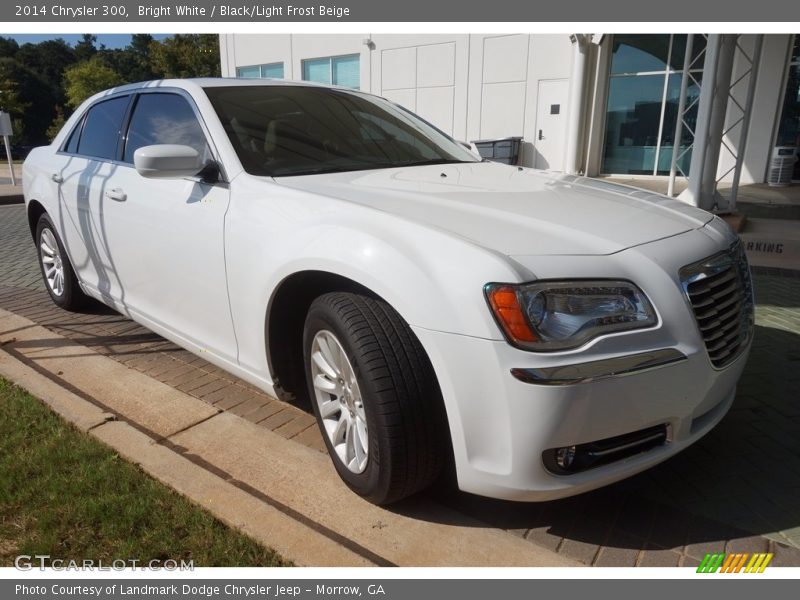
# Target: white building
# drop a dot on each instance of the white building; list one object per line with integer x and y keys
{"x": 608, "y": 105}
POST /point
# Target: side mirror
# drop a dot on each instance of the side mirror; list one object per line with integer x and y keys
{"x": 167, "y": 161}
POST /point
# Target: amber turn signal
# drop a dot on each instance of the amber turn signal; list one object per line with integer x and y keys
{"x": 505, "y": 305}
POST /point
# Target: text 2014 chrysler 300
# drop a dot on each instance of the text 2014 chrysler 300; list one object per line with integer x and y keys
{"x": 551, "y": 334}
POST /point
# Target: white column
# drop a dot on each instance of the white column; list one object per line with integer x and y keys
{"x": 580, "y": 58}
{"x": 717, "y": 69}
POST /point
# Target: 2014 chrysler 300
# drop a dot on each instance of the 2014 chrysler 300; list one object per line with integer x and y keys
{"x": 550, "y": 333}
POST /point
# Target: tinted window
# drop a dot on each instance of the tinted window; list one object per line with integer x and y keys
{"x": 72, "y": 143}
{"x": 101, "y": 131}
{"x": 164, "y": 119}
{"x": 288, "y": 130}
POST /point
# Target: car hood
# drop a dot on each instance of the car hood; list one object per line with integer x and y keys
{"x": 512, "y": 210}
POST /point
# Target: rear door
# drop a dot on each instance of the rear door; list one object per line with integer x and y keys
{"x": 165, "y": 236}
{"x": 87, "y": 161}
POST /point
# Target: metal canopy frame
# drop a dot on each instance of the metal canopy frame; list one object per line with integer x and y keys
{"x": 717, "y": 94}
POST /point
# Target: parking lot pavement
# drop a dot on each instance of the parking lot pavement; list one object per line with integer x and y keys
{"x": 736, "y": 490}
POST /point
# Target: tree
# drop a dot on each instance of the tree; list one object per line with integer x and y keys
{"x": 10, "y": 101}
{"x": 38, "y": 70}
{"x": 85, "y": 49}
{"x": 8, "y": 47}
{"x": 132, "y": 62}
{"x": 57, "y": 124}
{"x": 186, "y": 55}
{"x": 49, "y": 59}
{"x": 87, "y": 78}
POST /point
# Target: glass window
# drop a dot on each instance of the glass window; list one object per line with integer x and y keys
{"x": 643, "y": 96}
{"x": 293, "y": 130}
{"x": 789, "y": 125}
{"x": 253, "y": 72}
{"x": 671, "y": 119}
{"x": 336, "y": 70}
{"x": 346, "y": 71}
{"x": 100, "y": 136}
{"x": 271, "y": 70}
{"x": 164, "y": 119}
{"x": 632, "y": 124}
{"x": 72, "y": 143}
{"x": 639, "y": 53}
{"x": 317, "y": 69}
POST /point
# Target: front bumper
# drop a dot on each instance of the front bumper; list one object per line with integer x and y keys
{"x": 501, "y": 422}
{"x": 505, "y": 425}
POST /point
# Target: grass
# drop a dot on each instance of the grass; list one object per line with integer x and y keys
{"x": 65, "y": 494}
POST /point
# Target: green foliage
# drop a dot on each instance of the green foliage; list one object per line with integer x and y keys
{"x": 57, "y": 124}
{"x": 37, "y": 73}
{"x": 34, "y": 111}
{"x": 65, "y": 494}
{"x": 186, "y": 55}
{"x": 48, "y": 59}
{"x": 10, "y": 100}
{"x": 85, "y": 49}
{"x": 133, "y": 61}
{"x": 87, "y": 78}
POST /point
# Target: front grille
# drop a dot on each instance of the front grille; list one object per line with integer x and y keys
{"x": 720, "y": 292}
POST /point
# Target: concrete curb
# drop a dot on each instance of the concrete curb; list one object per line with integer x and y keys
{"x": 283, "y": 494}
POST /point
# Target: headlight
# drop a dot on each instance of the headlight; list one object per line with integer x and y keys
{"x": 559, "y": 315}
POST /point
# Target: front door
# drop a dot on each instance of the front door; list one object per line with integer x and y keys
{"x": 551, "y": 121}
{"x": 166, "y": 236}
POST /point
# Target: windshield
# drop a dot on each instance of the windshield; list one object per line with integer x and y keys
{"x": 280, "y": 130}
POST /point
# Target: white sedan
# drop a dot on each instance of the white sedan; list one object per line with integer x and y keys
{"x": 546, "y": 334}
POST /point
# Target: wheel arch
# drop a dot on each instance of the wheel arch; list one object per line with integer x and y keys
{"x": 283, "y": 326}
{"x": 283, "y": 330}
{"x": 35, "y": 210}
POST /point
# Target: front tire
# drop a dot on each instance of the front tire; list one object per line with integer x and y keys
{"x": 375, "y": 397}
{"x": 57, "y": 272}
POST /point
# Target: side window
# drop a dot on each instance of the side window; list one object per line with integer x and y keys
{"x": 100, "y": 137}
{"x": 164, "y": 119}
{"x": 72, "y": 143}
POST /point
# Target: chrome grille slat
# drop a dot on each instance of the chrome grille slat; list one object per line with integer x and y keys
{"x": 717, "y": 291}
{"x": 708, "y": 285}
{"x": 722, "y": 342}
{"x": 720, "y": 293}
{"x": 714, "y": 308}
{"x": 719, "y": 319}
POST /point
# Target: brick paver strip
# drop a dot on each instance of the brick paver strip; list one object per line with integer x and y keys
{"x": 747, "y": 472}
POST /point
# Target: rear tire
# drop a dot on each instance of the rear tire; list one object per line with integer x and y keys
{"x": 57, "y": 272}
{"x": 375, "y": 397}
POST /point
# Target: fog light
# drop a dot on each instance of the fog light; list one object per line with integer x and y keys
{"x": 565, "y": 457}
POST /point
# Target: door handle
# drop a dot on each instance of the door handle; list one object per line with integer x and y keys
{"x": 116, "y": 194}
{"x": 541, "y": 137}
{"x": 57, "y": 178}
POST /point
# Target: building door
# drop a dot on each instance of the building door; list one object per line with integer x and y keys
{"x": 551, "y": 124}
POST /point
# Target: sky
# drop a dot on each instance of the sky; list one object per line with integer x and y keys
{"x": 111, "y": 40}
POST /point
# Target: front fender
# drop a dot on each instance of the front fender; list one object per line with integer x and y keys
{"x": 433, "y": 279}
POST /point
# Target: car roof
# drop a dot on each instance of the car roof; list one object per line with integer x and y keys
{"x": 196, "y": 85}
{"x": 207, "y": 82}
